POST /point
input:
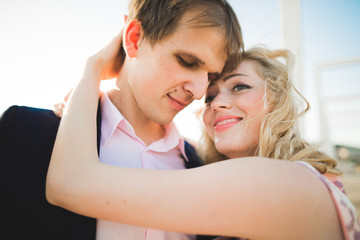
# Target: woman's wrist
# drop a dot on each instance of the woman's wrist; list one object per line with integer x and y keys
{"x": 93, "y": 70}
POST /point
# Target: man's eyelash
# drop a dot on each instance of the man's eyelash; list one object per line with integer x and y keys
{"x": 185, "y": 63}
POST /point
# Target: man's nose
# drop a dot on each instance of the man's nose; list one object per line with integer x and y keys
{"x": 197, "y": 87}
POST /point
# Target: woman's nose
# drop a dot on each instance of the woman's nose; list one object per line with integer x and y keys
{"x": 221, "y": 102}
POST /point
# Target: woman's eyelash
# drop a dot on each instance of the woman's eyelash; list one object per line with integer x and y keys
{"x": 209, "y": 99}
{"x": 239, "y": 87}
{"x": 185, "y": 63}
{"x": 236, "y": 88}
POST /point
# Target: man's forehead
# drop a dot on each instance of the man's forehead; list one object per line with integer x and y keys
{"x": 206, "y": 46}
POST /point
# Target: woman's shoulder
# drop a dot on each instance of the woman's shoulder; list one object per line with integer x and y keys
{"x": 346, "y": 211}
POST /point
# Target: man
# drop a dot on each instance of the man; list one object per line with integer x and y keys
{"x": 172, "y": 49}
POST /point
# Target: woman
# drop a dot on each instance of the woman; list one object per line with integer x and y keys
{"x": 250, "y": 117}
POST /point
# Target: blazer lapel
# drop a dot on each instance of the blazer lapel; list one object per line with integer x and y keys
{"x": 98, "y": 126}
{"x": 194, "y": 159}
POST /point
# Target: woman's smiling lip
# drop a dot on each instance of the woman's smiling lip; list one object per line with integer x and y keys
{"x": 177, "y": 104}
{"x": 226, "y": 121}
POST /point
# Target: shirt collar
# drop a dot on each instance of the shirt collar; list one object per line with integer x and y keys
{"x": 172, "y": 139}
{"x": 112, "y": 118}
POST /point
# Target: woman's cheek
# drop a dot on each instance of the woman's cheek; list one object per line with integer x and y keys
{"x": 207, "y": 121}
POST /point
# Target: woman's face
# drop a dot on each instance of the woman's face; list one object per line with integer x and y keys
{"x": 234, "y": 111}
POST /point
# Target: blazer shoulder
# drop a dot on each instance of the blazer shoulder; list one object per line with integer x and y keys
{"x": 27, "y": 119}
{"x": 6, "y": 118}
{"x": 14, "y": 112}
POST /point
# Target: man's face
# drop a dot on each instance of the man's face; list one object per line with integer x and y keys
{"x": 168, "y": 76}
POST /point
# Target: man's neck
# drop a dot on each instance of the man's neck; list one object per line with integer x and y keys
{"x": 146, "y": 129}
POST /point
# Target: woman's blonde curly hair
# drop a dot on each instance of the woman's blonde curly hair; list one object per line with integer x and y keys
{"x": 279, "y": 136}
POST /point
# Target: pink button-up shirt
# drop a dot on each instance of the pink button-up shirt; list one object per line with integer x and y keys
{"x": 120, "y": 146}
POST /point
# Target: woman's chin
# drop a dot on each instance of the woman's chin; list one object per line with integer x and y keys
{"x": 225, "y": 149}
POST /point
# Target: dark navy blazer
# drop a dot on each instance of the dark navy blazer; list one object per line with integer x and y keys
{"x": 27, "y": 137}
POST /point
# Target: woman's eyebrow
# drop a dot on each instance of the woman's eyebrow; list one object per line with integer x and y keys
{"x": 226, "y": 78}
{"x": 234, "y": 75}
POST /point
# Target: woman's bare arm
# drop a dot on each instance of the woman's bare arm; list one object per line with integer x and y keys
{"x": 244, "y": 197}
{"x": 249, "y": 197}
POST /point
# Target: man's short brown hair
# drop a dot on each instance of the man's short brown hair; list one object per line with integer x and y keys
{"x": 160, "y": 18}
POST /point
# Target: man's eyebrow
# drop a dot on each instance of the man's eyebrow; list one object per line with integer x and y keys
{"x": 234, "y": 75}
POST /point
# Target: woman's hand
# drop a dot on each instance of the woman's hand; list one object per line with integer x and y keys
{"x": 59, "y": 107}
{"x": 108, "y": 61}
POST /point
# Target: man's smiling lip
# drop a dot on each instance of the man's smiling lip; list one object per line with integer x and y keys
{"x": 177, "y": 104}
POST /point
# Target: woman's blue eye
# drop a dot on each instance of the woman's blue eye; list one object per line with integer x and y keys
{"x": 240, "y": 87}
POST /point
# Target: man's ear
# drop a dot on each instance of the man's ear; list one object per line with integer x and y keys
{"x": 132, "y": 37}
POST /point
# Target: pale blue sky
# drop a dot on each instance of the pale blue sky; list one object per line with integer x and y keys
{"x": 331, "y": 33}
